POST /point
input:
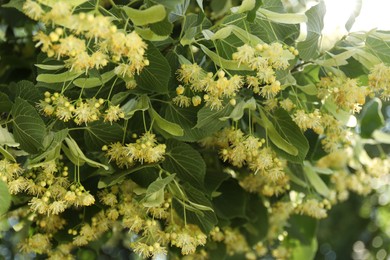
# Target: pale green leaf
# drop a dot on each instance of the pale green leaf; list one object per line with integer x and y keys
{"x": 49, "y": 67}
{"x": 148, "y": 34}
{"x": 57, "y": 78}
{"x": 153, "y": 14}
{"x": 53, "y": 149}
{"x": 338, "y": 59}
{"x": 94, "y": 82}
{"x": 77, "y": 156}
{"x": 223, "y": 63}
{"x": 169, "y": 127}
{"x": 7, "y": 138}
{"x": 136, "y": 104}
{"x": 7, "y": 155}
{"x": 309, "y": 48}
{"x": 286, "y": 18}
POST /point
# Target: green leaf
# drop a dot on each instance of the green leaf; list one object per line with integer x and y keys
{"x": 379, "y": 46}
{"x": 231, "y": 194}
{"x": 372, "y": 118}
{"x": 57, "y": 78}
{"x": 185, "y": 161}
{"x": 53, "y": 150}
{"x": 286, "y": 18}
{"x": 211, "y": 120}
{"x": 118, "y": 98}
{"x": 276, "y": 138}
{"x": 5, "y": 198}
{"x": 17, "y": 4}
{"x": 154, "y": 196}
{"x": 153, "y": 14}
{"x": 94, "y": 82}
{"x": 221, "y": 62}
{"x": 136, "y": 104}
{"x": 155, "y": 77}
{"x": 74, "y": 153}
{"x": 315, "y": 180}
{"x": 338, "y": 113}
{"x": 205, "y": 219}
{"x": 120, "y": 176}
{"x": 28, "y": 128}
{"x": 288, "y": 136}
{"x": 5, "y": 103}
{"x": 186, "y": 118}
{"x": 7, "y": 138}
{"x": 238, "y": 111}
{"x": 270, "y": 31}
{"x": 7, "y": 155}
{"x": 308, "y": 49}
{"x": 99, "y": 133}
{"x": 162, "y": 28}
{"x": 26, "y": 90}
{"x": 169, "y": 127}
{"x": 301, "y": 237}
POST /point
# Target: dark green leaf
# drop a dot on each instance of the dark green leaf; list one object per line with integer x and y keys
{"x": 29, "y": 128}
{"x": 302, "y": 237}
{"x": 186, "y": 118}
{"x": 209, "y": 120}
{"x": 185, "y": 161}
{"x": 372, "y": 118}
{"x": 162, "y": 28}
{"x": 206, "y": 220}
{"x": 100, "y": 133}
{"x": 26, "y": 90}
{"x": 155, "y": 77}
{"x": 232, "y": 201}
{"x": 5, "y": 103}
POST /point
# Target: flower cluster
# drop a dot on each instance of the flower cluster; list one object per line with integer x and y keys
{"x": 239, "y": 149}
{"x": 80, "y": 111}
{"x": 345, "y": 92}
{"x": 334, "y": 135}
{"x": 146, "y": 149}
{"x": 379, "y": 80}
{"x": 265, "y": 59}
{"x": 216, "y": 86}
{"x": 86, "y": 40}
{"x": 52, "y": 192}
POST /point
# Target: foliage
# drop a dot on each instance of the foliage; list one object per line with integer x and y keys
{"x": 196, "y": 129}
